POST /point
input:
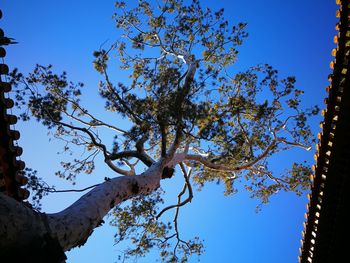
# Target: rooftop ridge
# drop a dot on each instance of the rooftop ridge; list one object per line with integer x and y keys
{"x": 326, "y": 207}
{"x": 11, "y": 167}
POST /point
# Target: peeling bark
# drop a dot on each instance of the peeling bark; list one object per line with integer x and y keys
{"x": 22, "y": 227}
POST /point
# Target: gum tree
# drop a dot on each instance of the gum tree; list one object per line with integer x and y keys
{"x": 190, "y": 113}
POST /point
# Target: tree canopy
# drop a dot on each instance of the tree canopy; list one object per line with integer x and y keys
{"x": 187, "y": 109}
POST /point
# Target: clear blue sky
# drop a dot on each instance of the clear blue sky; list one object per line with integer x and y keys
{"x": 295, "y": 36}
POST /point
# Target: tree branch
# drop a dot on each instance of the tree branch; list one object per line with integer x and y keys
{"x": 95, "y": 121}
{"x": 98, "y": 145}
{"x": 120, "y": 100}
{"x": 136, "y": 154}
{"x": 222, "y": 167}
{"x": 52, "y": 190}
{"x": 186, "y": 186}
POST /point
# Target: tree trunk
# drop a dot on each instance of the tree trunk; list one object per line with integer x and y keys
{"x": 25, "y": 230}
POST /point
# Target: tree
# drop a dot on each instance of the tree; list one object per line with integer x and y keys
{"x": 188, "y": 114}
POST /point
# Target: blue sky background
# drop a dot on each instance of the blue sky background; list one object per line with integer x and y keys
{"x": 295, "y": 36}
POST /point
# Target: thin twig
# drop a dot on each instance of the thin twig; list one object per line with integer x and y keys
{"x": 71, "y": 190}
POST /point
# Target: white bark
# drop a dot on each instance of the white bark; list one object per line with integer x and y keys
{"x": 20, "y": 226}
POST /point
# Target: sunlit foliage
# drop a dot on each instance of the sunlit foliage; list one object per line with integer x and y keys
{"x": 185, "y": 106}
